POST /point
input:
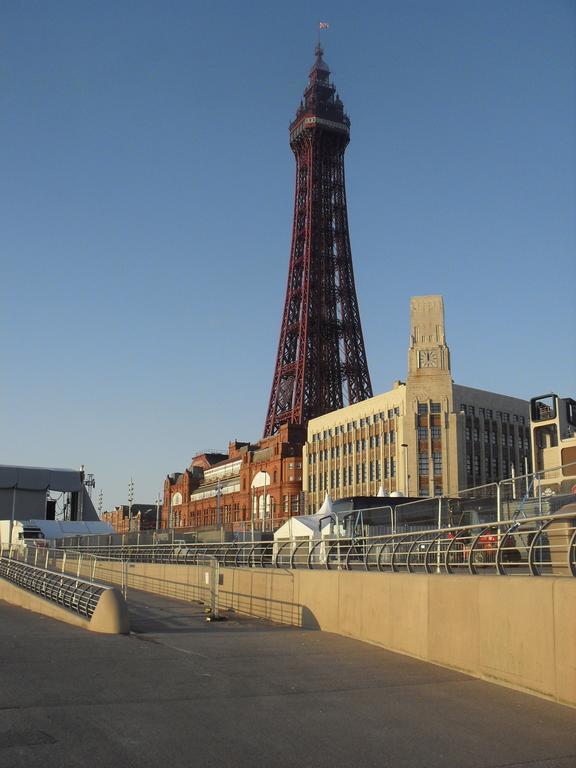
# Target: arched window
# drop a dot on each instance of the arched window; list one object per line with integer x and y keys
{"x": 177, "y": 499}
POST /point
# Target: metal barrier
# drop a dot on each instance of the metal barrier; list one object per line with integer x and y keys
{"x": 72, "y": 593}
{"x": 535, "y": 546}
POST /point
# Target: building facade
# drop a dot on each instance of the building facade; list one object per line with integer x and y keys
{"x": 257, "y": 485}
{"x": 425, "y": 437}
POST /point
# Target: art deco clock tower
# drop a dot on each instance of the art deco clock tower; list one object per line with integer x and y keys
{"x": 428, "y": 355}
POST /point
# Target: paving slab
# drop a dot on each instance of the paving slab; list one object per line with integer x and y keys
{"x": 182, "y": 692}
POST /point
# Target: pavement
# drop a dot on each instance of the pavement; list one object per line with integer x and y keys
{"x": 181, "y": 692}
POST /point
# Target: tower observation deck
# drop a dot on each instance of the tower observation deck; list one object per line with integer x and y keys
{"x": 321, "y": 363}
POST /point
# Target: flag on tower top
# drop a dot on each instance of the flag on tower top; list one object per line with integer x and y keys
{"x": 324, "y": 25}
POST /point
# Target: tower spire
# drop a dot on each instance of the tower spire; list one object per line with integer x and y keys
{"x": 321, "y": 363}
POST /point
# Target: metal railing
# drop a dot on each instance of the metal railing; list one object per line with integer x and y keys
{"x": 77, "y": 595}
{"x": 535, "y": 546}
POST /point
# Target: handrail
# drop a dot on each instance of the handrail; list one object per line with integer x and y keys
{"x": 77, "y": 595}
{"x": 500, "y": 547}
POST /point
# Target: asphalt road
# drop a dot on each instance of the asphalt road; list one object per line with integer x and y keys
{"x": 179, "y": 692}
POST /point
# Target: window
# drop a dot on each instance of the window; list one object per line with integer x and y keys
{"x": 386, "y": 467}
{"x": 505, "y": 416}
{"x": 422, "y": 463}
{"x": 470, "y": 410}
{"x": 337, "y": 451}
{"x": 475, "y": 434}
{"x": 396, "y": 411}
{"x": 422, "y": 409}
{"x": 467, "y": 433}
{"x": 521, "y": 419}
{"x": 477, "y": 464}
{"x": 337, "y": 478}
{"x": 336, "y": 430}
{"x": 462, "y": 408}
{"x": 503, "y": 439}
{"x": 364, "y": 444}
{"x": 488, "y": 413}
{"x": 511, "y": 440}
{"x": 481, "y": 411}
{"x": 363, "y": 471}
{"x": 332, "y": 478}
{"x": 435, "y": 408}
{"x": 357, "y": 473}
{"x": 437, "y": 462}
{"x": 435, "y": 432}
{"x": 350, "y": 475}
{"x": 391, "y": 413}
{"x": 392, "y": 467}
{"x": 392, "y": 436}
{"x": 362, "y": 422}
{"x": 494, "y": 465}
{"x": 422, "y": 433}
{"x": 468, "y": 464}
{"x": 493, "y": 438}
{"x": 486, "y": 436}
{"x": 378, "y": 472}
{"x": 357, "y": 445}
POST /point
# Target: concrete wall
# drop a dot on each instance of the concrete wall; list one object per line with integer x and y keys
{"x": 110, "y": 616}
{"x": 518, "y": 631}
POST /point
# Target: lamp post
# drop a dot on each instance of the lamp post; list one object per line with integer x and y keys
{"x": 405, "y": 459}
{"x": 157, "y": 511}
{"x": 130, "y": 500}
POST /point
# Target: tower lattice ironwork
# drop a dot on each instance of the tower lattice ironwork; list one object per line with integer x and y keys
{"x": 321, "y": 356}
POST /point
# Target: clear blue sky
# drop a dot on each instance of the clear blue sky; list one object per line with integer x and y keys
{"x": 146, "y": 206}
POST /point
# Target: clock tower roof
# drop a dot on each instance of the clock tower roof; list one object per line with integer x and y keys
{"x": 428, "y": 354}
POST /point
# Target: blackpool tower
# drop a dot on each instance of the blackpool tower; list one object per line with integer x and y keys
{"x": 321, "y": 363}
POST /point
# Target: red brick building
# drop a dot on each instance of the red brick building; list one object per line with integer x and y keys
{"x": 256, "y": 484}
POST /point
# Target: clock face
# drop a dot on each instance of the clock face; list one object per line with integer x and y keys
{"x": 428, "y": 359}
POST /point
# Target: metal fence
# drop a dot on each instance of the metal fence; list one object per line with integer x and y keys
{"x": 77, "y": 595}
{"x": 536, "y": 546}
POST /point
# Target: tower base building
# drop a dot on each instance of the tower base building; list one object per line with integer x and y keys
{"x": 427, "y": 436}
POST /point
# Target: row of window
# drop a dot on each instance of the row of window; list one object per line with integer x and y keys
{"x": 424, "y": 463}
{"x": 435, "y": 433}
{"x": 491, "y": 437}
{"x": 363, "y": 472}
{"x": 434, "y": 408}
{"x": 491, "y": 466}
{"x": 388, "y": 438}
{"x": 363, "y": 422}
{"x": 488, "y": 413}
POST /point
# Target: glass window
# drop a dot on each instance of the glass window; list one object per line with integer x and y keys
{"x": 391, "y": 413}
{"x": 437, "y": 461}
{"x": 422, "y": 409}
{"x": 378, "y": 473}
{"x": 422, "y": 463}
{"x": 396, "y": 411}
{"x": 435, "y": 432}
{"x": 435, "y": 408}
{"x": 392, "y": 466}
{"x": 488, "y": 413}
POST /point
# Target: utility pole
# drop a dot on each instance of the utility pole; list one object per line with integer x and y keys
{"x": 130, "y": 501}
